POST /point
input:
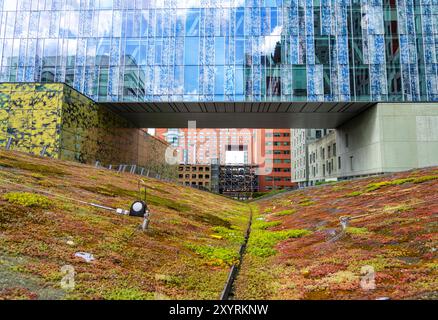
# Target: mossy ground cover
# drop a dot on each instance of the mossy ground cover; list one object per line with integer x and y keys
{"x": 27, "y": 199}
{"x": 194, "y": 236}
{"x": 285, "y": 212}
{"x": 398, "y": 238}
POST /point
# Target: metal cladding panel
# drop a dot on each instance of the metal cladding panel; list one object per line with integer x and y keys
{"x": 241, "y": 115}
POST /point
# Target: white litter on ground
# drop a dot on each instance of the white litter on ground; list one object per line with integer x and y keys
{"x": 88, "y": 257}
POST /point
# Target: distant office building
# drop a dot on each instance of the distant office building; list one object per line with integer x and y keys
{"x": 385, "y": 138}
{"x": 198, "y": 176}
{"x": 172, "y": 136}
{"x": 301, "y": 139}
{"x": 238, "y": 181}
{"x": 203, "y": 146}
{"x": 399, "y": 137}
{"x": 269, "y": 150}
{"x": 323, "y": 161}
{"x": 277, "y": 150}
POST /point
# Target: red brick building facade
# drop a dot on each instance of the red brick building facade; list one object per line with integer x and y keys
{"x": 269, "y": 149}
{"x": 276, "y": 145}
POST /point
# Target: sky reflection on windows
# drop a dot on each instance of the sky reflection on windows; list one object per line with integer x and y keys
{"x": 233, "y": 50}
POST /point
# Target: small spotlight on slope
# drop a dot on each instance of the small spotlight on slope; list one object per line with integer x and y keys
{"x": 138, "y": 209}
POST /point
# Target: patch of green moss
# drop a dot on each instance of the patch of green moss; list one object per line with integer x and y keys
{"x": 216, "y": 256}
{"x": 425, "y": 179}
{"x": 11, "y": 214}
{"x": 261, "y": 242}
{"x": 268, "y": 210}
{"x": 209, "y": 219}
{"x": 353, "y": 230}
{"x": 257, "y": 279}
{"x": 128, "y": 294}
{"x": 379, "y": 263}
{"x": 375, "y": 186}
{"x": 378, "y": 185}
{"x": 168, "y": 203}
{"x": 175, "y": 222}
{"x": 285, "y": 212}
{"x": 432, "y": 265}
{"x": 355, "y": 194}
{"x": 37, "y": 176}
{"x": 36, "y": 168}
{"x": 282, "y": 202}
{"x": 263, "y": 225}
{"x": 169, "y": 280}
{"x": 159, "y": 190}
{"x": 46, "y": 183}
{"x": 338, "y": 188}
{"x": 19, "y": 268}
{"x": 99, "y": 190}
{"x": 306, "y": 202}
{"x": 398, "y": 208}
{"x": 202, "y": 281}
{"x": 233, "y": 235}
{"x": 343, "y": 276}
{"x": 27, "y": 199}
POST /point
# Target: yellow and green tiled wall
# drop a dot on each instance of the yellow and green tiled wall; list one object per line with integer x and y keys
{"x": 71, "y": 127}
{"x": 31, "y": 115}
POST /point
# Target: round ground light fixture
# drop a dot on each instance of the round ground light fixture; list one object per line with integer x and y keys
{"x": 138, "y": 209}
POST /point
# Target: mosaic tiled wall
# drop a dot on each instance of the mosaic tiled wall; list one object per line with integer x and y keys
{"x": 30, "y": 114}
{"x": 225, "y": 50}
{"x": 90, "y": 133}
{"x": 73, "y": 127}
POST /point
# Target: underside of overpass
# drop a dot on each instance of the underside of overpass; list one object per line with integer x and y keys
{"x": 238, "y": 114}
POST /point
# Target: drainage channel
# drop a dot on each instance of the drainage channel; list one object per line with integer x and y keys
{"x": 228, "y": 292}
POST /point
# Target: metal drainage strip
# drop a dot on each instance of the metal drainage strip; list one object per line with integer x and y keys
{"x": 234, "y": 271}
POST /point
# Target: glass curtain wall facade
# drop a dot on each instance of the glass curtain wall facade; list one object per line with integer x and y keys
{"x": 225, "y": 50}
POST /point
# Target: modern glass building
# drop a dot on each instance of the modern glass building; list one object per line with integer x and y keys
{"x": 225, "y": 50}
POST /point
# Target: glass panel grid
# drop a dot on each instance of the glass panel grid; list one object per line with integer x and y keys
{"x": 233, "y": 50}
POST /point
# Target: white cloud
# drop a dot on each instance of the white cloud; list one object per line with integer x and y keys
{"x": 270, "y": 41}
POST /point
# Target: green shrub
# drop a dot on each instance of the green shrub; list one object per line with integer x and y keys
{"x": 285, "y": 212}
{"x": 27, "y": 199}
